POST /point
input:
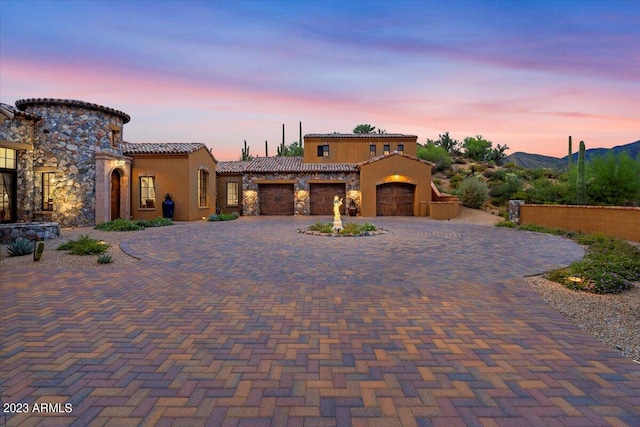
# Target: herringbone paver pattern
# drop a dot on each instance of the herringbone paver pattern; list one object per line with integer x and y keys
{"x": 248, "y": 323}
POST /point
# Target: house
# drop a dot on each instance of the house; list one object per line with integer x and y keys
{"x": 65, "y": 161}
{"x": 187, "y": 171}
{"x": 379, "y": 174}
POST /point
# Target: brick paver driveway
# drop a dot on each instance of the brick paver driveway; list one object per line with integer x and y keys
{"x": 248, "y": 323}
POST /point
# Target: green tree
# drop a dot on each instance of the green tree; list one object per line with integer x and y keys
{"x": 476, "y": 148}
{"x": 445, "y": 141}
{"x": 497, "y": 155}
{"x": 435, "y": 154}
{"x": 364, "y": 128}
{"x": 291, "y": 150}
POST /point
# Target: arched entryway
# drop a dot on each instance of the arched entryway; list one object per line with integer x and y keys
{"x": 395, "y": 199}
{"x": 115, "y": 194}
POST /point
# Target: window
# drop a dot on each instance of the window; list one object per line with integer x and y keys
{"x": 372, "y": 150}
{"x": 203, "y": 183}
{"x": 323, "y": 150}
{"x": 114, "y": 137}
{"x": 147, "y": 192}
{"x": 387, "y": 149}
{"x": 232, "y": 193}
{"x": 47, "y": 191}
{"x": 400, "y": 148}
{"x": 7, "y": 158}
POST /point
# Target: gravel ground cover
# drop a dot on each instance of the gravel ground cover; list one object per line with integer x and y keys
{"x": 612, "y": 319}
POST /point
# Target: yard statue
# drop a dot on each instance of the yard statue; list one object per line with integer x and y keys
{"x": 337, "y": 223}
{"x": 336, "y": 208}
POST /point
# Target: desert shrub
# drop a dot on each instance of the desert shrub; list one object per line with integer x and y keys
{"x": 613, "y": 180}
{"x": 321, "y": 227}
{"x": 435, "y": 154}
{"x": 610, "y": 265}
{"x": 20, "y": 247}
{"x": 84, "y": 245}
{"x": 156, "y": 222}
{"x": 138, "y": 224}
{"x": 224, "y": 217}
{"x": 119, "y": 225}
{"x": 473, "y": 192}
{"x": 455, "y": 180}
{"x": 347, "y": 228}
{"x": 504, "y": 190}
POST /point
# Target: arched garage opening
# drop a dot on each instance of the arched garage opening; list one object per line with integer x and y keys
{"x": 395, "y": 199}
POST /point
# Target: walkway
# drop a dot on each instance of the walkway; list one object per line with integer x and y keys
{"x": 248, "y": 323}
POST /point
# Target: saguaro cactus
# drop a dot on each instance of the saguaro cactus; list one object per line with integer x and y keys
{"x": 266, "y": 148}
{"x": 245, "y": 152}
{"x": 581, "y": 183}
{"x": 570, "y": 159}
{"x": 300, "y": 139}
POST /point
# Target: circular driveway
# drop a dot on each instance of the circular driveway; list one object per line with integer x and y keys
{"x": 415, "y": 252}
{"x": 248, "y": 323}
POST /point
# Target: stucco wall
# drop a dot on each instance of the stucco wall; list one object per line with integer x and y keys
{"x": 621, "y": 222}
{"x": 394, "y": 169}
{"x": 201, "y": 159}
{"x": 171, "y": 173}
{"x": 354, "y": 150}
{"x": 177, "y": 175}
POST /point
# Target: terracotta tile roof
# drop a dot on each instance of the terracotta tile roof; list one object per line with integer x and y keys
{"x": 359, "y": 135}
{"x": 17, "y": 112}
{"x": 281, "y": 165}
{"x": 162, "y": 148}
{"x": 22, "y": 104}
{"x": 393, "y": 153}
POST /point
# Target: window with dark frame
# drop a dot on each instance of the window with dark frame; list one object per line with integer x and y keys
{"x": 47, "y": 191}
{"x": 323, "y": 150}
{"x": 147, "y": 192}
{"x": 400, "y": 148}
{"x": 203, "y": 183}
{"x": 372, "y": 150}
{"x": 387, "y": 149}
{"x": 7, "y": 158}
{"x": 233, "y": 188}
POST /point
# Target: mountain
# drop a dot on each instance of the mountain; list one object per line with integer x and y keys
{"x": 535, "y": 161}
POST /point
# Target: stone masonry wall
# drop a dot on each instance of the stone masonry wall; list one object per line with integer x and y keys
{"x": 301, "y": 188}
{"x": 22, "y": 129}
{"x": 67, "y": 138}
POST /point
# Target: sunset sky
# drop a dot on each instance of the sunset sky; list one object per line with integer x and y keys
{"x": 525, "y": 74}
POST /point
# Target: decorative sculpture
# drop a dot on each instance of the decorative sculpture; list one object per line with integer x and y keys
{"x": 337, "y": 223}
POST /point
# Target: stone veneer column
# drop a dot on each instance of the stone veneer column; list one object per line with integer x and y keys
{"x": 514, "y": 210}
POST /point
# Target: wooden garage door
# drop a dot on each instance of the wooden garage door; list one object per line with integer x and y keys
{"x": 395, "y": 199}
{"x": 276, "y": 199}
{"x": 321, "y": 198}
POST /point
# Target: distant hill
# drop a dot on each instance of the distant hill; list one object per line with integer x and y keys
{"x": 535, "y": 161}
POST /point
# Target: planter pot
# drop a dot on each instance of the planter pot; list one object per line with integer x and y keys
{"x": 167, "y": 209}
{"x": 353, "y": 211}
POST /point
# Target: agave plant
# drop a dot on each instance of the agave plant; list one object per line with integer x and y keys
{"x": 105, "y": 259}
{"x": 20, "y": 247}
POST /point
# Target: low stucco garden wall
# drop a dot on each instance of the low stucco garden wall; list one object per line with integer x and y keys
{"x": 621, "y": 222}
{"x": 444, "y": 210}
